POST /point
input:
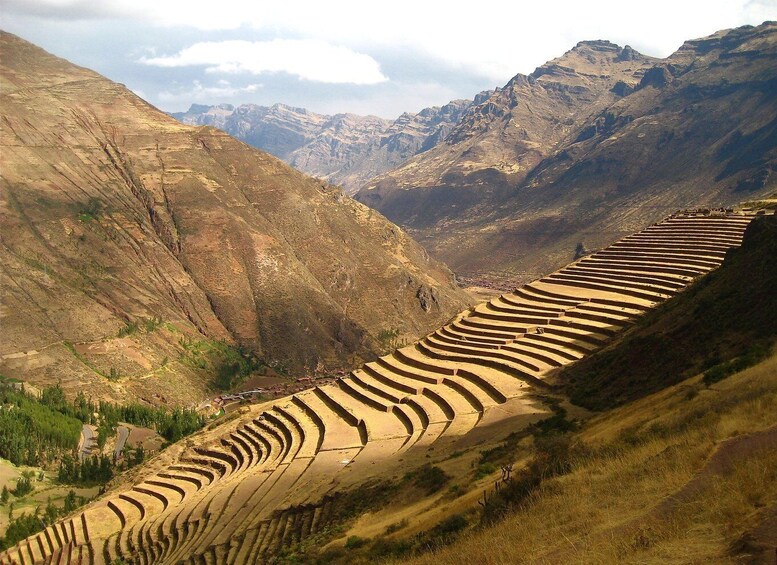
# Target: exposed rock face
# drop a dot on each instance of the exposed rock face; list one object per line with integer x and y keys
{"x": 344, "y": 149}
{"x": 597, "y": 143}
{"x": 510, "y": 131}
{"x": 114, "y": 213}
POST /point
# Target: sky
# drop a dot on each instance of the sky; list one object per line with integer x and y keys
{"x": 332, "y": 56}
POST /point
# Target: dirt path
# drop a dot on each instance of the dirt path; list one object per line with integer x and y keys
{"x": 122, "y": 433}
{"x": 88, "y": 441}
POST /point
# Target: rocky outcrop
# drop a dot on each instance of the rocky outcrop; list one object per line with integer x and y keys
{"x": 511, "y": 131}
{"x": 140, "y": 254}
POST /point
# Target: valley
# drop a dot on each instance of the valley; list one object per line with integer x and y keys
{"x": 564, "y": 350}
{"x": 345, "y": 149}
{"x": 225, "y": 496}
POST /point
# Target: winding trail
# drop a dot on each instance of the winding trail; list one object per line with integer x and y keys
{"x": 88, "y": 441}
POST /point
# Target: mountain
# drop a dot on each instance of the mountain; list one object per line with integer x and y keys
{"x": 595, "y": 144}
{"x": 344, "y": 149}
{"x": 140, "y": 256}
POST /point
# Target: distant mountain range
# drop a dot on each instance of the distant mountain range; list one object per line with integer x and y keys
{"x": 593, "y": 145}
{"x": 344, "y": 149}
{"x": 590, "y": 146}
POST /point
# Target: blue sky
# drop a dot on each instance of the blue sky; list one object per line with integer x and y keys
{"x": 347, "y": 56}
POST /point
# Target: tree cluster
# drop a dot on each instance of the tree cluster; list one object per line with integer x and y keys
{"x": 170, "y": 424}
{"x": 32, "y": 432}
{"x": 36, "y": 431}
{"x": 92, "y": 470}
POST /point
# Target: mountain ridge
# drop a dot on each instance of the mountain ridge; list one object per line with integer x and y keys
{"x": 564, "y": 157}
{"x": 345, "y": 149}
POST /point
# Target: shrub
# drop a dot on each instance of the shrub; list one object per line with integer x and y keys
{"x": 554, "y": 456}
{"x": 485, "y": 469}
{"x": 129, "y": 329}
{"x": 90, "y": 211}
{"x": 753, "y": 355}
{"x": 389, "y": 339}
{"x": 396, "y": 526}
{"x": 429, "y": 478}
{"x": 451, "y": 525}
{"x": 455, "y": 491}
{"x": 355, "y": 542}
{"x": 23, "y": 487}
{"x": 383, "y": 548}
{"x": 714, "y": 375}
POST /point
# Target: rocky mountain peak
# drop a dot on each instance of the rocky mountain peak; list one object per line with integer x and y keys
{"x": 597, "y": 45}
{"x": 591, "y": 58}
{"x": 628, "y": 53}
{"x": 481, "y": 97}
{"x": 596, "y": 131}
{"x": 345, "y": 149}
{"x": 738, "y": 42}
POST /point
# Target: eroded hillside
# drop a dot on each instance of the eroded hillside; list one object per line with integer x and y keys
{"x": 138, "y": 253}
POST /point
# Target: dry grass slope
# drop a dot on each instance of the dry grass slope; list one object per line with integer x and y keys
{"x": 687, "y": 475}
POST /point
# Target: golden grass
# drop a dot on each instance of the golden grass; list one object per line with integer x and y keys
{"x": 617, "y": 505}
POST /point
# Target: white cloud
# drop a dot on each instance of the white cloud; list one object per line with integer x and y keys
{"x": 198, "y": 92}
{"x": 309, "y": 59}
{"x": 494, "y": 39}
{"x": 396, "y": 98}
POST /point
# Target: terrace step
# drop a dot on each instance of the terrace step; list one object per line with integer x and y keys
{"x": 339, "y": 432}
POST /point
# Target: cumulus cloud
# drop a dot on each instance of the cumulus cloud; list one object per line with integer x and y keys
{"x": 309, "y": 59}
{"x": 222, "y": 90}
{"x": 337, "y": 46}
{"x": 495, "y": 40}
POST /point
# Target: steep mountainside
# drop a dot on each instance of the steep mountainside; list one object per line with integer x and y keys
{"x": 513, "y": 129}
{"x": 344, "y": 149}
{"x": 137, "y": 250}
{"x": 598, "y": 143}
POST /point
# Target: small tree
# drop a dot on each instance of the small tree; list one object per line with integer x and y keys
{"x": 23, "y": 487}
{"x": 139, "y": 456}
{"x": 4, "y": 495}
{"x": 70, "y": 502}
{"x": 50, "y": 513}
{"x": 580, "y": 251}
